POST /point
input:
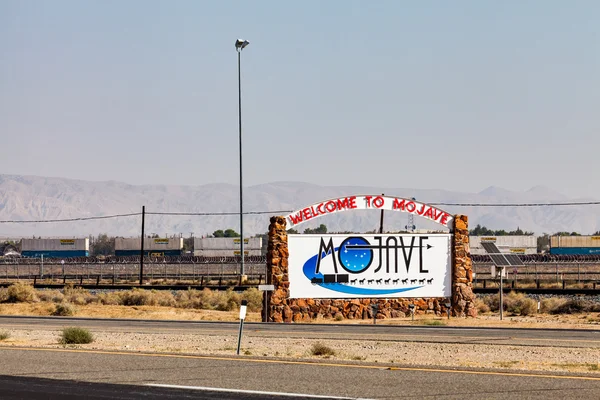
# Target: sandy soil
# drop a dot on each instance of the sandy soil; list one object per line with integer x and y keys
{"x": 402, "y": 352}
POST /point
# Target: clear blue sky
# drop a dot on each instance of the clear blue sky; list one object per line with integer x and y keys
{"x": 382, "y": 93}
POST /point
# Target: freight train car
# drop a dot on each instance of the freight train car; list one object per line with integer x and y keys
{"x": 506, "y": 244}
{"x": 55, "y": 248}
{"x": 224, "y": 247}
{"x": 575, "y": 245}
{"x": 153, "y": 247}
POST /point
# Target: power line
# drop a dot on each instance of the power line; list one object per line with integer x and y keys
{"x": 585, "y": 203}
{"x": 136, "y": 214}
{"x": 280, "y": 212}
{"x": 220, "y": 213}
{"x": 69, "y": 219}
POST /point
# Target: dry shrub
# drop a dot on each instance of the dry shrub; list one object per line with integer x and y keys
{"x": 110, "y": 299}
{"x": 481, "y": 306}
{"x": 319, "y": 349}
{"x": 254, "y": 297}
{"x": 21, "y": 293}
{"x": 549, "y": 305}
{"x": 515, "y": 303}
{"x": 79, "y": 296}
{"x": 74, "y": 335}
{"x": 227, "y": 301}
{"x": 141, "y": 297}
{"x": 50, "y": 296}
{"x": 217, "y": 300}
{"x": 518, "y": 303}
{"x": 192, "y": 298}
{"x": 492, "y": 302}
{"x": 64, "y": 310}
{"x": 164, "y": 298}
{"x": 3, "y": 295}
{"x": 574, "y": 306}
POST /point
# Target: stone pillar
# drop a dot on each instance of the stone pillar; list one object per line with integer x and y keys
{"x": 463, "y": 298}
{"x": 277, "y": 272}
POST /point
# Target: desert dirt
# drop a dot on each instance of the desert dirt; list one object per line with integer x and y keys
{"x": 397, "y": 352}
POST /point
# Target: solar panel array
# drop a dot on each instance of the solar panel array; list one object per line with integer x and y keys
{"x": 514, "y": 260}
{"x": 490, "y": 247}
{"x": 499, "y": 259}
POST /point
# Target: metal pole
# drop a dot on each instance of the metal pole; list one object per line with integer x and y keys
{"x": 381, "y": 219}
{"x": 240, "y": 336}
{"x": 142, "y": 247}
{"x": 242, "y": 271}
{"x": 501, "y": 294}
{"x": 42, "y": 267}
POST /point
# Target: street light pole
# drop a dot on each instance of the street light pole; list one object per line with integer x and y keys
{"x": 239, "y": 46}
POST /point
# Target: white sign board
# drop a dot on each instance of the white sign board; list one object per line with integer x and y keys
{"x": 365, "y": 266}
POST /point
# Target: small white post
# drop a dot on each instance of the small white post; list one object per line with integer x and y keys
{"x": 242, "y": 317}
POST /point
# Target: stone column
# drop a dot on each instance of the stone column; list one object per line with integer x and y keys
{"x": 463, "y": 298}
{"x": 277, "y": 272}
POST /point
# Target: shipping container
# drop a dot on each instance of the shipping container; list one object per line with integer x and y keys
{"x": 226, "y": 253}
{"x": 157, "y": 247}
{"x": 575, "y": 250}
{"x": 506, "y": 244}
{"x": 575, "y": 241}
{"x": 55, "y": 248}
{"x": 226, "y": 243}
{"x": 219, "y": 247}
{"x": 575, "y": 245}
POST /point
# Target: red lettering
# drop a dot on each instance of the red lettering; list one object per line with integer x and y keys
{"x": 368, "y": 200}
{"x": 410, "y": 207}
{"x": 342, "y": 204}
{"x": 444, "y": 219}
{"x": 428, "y": 213}
{"x": 399, "y": 204}
{"x": 378, "y": 201}
{"x": 420, "y": 212}
{"x": 320, "y": 209}
{"x": 330, "y": 206}
{"x": 437, "y": 214}
{"x": 296, "y": 218}
{"x": 352, "y": 203}
{"x": 306, "y": 213}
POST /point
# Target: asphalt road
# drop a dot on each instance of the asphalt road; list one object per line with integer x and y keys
{"x": 66, "y": 374}
{"x": 430, "y": 334}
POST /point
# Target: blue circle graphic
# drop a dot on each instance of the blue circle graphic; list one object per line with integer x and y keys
{"x": 355, "y": 254}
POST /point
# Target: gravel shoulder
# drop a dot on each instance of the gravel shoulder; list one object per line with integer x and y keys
{"x": 401, "y": 352}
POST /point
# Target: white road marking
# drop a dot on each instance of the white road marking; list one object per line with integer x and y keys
{"x": 216, "y": 389}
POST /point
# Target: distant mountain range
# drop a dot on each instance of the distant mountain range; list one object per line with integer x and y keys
{"x": 40, "y": 198}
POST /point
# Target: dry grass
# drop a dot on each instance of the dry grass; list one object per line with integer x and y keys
{"x": 75, "y": 335}
{"x": 4, "y": 336}
{"x": 141, "y": 297}
{"x": 51, "y": 296}
{"x": 95, "y": 310}
{"x": 64, "y": 310}
{"x": 78, "y": 296}
{"x": 195, "y": 299}
{"x": 481, "y": 306}
{"x": 515, "y": 303}
{"x": 319, "y": 349}
{"x": 21, "y": 293}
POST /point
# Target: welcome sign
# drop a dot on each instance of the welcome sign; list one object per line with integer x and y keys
{"x": 367, "y": 266}
{"x": 370, "y": 202}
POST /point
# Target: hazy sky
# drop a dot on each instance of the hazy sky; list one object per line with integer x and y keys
{"x": 382, "y": 93}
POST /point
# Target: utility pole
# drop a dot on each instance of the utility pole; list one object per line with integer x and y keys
{"x": 142, "y": 247}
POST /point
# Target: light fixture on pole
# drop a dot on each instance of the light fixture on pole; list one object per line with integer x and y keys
{"x": 240, "y": 44}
